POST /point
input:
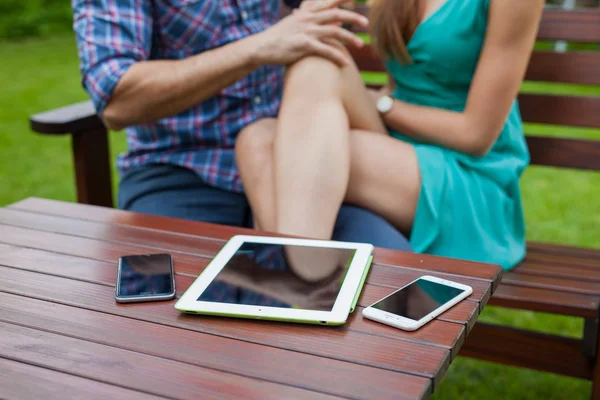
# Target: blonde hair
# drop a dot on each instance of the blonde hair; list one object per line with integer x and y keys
{"x": 393, "y": 22}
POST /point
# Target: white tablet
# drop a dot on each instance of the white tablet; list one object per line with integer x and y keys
{"x": 283, "y": 279}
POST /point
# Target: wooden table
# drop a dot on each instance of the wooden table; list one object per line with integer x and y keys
{"x": 63, "y": 336}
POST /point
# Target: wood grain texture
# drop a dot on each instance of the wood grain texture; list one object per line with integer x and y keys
{"x": 183, "y": 229}
{"x": 383, "y": 353}
{"x": 567, "y": 153}
{"x": 561, "y": 250}
{"x": 548, "y": 353}
{"x": 112, "y": 241}
{"x": 16, "y": 383}
{"x": 225, "y": 354}
{"x": 581, "y": 25}
{"x": 104, "y": 272}
{"x": 545, "y": 300}
{"x": 544, "y": 66}
{"x": 438, "y": 333}
{"x": 91, "y": 158}
{"x": 572, "y": 67}
{"x": 556, "y": 284}
{"x": 558, "y": 269}
{"x": 135, "y": 371}
{"x": 560, "y": 110}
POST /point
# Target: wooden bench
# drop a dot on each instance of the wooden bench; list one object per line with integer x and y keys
{"x": 553, "y": 279}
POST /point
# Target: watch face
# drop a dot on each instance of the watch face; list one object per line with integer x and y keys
{"x": 385, "y": 104}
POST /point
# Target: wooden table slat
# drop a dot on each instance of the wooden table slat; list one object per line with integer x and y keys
{"x": 109, "y": 242}
{"x": 59, "y": 319}
{"x": 261, "y": 362}
{"x": 384, "y": 353}
{"x": 133, "y": 370}
{"x": 16, "y": 383}
{"x": 105, "y": 271}
{"x": 437, "y": 333}
{"x": 212, "y": 231}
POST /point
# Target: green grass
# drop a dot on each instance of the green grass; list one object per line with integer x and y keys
{"x": 38, "y": 75}
{"x": 560, "y": 206}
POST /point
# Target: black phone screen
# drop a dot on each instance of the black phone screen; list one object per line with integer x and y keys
{"x": 145, "y": 275}
{"x": 418, "y": 299}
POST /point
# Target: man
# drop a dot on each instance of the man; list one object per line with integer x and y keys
{"x": 184, "y": 77}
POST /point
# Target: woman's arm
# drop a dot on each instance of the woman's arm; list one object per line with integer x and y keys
{"x": 508, "y": 44}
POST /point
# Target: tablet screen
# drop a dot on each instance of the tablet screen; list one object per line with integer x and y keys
{"x": 300, "y": 277}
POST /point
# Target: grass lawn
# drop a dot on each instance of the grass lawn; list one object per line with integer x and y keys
{"x": 560, "y": 206}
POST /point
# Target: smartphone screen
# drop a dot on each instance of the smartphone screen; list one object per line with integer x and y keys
{"x": 145, "y": 276}
{"x": 418, "y": 299}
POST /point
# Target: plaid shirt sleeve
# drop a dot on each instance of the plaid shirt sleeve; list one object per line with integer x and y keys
{"x": 112, "y": 35}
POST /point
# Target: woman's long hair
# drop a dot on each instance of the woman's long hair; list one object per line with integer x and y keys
{"x": 393, "y": 22}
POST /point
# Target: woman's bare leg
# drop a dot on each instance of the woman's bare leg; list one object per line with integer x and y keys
{"x": 384, "y": 175}
{"x": 254, "y": 156}
{"x": 312, "y": 165}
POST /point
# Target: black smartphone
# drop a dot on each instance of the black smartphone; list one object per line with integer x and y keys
{"x": 148, "y": 277}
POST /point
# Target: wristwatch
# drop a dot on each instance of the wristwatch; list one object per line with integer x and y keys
{"x": 385, "y": 104}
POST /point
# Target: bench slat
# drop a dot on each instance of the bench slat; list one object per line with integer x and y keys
{"x": 566, "y": 153}
{"x": 538, "y": 351}
{"x": 572, "y": 67}
{"x": 557, "y": 249}
{"x": 366, "y": 59}
{"x": 560, "y": 110}
{"x": 581, "y": 25}
{"x": 589, "y": 259}
{"x": 545, "y": 300}
{"x": 546, "y": 66}
{"x": 559, "y": 270}
{"x": 547, "y": 282}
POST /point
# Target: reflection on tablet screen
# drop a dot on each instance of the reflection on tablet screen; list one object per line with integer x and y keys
{"x": 300, "y": 277}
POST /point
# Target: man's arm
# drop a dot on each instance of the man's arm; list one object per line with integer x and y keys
{"x": 151, "y": 90}
{"x": 129, "y": 89}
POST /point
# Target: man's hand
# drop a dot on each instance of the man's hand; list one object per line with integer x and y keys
{"x": 308, "y": 31}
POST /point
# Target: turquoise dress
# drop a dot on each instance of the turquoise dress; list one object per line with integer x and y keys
{"x": 469, "y": 207}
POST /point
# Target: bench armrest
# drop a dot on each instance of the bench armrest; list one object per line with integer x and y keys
{"x": 89, "y": 141}
{"x": 76, "y": 118}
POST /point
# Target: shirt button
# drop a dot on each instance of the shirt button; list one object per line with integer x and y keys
{"x": 244, "y": 15}
{"x": 257, "y": 100}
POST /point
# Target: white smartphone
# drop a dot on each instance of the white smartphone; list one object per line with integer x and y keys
{"x": 417, "y": 303}
{"x": 148, "y": 277}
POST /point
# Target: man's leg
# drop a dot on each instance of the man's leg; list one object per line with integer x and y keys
{"x": 176, "y": 192}
{"x": 355, "y": 224}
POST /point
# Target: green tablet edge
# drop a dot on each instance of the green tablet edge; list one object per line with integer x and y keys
{"x": 361, "y": 284}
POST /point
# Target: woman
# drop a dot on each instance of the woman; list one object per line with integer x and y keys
{"x": 441, "y": 160}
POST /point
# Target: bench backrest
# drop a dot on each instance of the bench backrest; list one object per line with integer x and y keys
{"x": 581, "y": 67}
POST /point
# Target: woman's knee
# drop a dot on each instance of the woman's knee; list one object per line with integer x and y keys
{"x": 314, "y": 75}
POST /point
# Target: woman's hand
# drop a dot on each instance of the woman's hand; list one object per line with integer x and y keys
{"x": 307, "y": 32}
